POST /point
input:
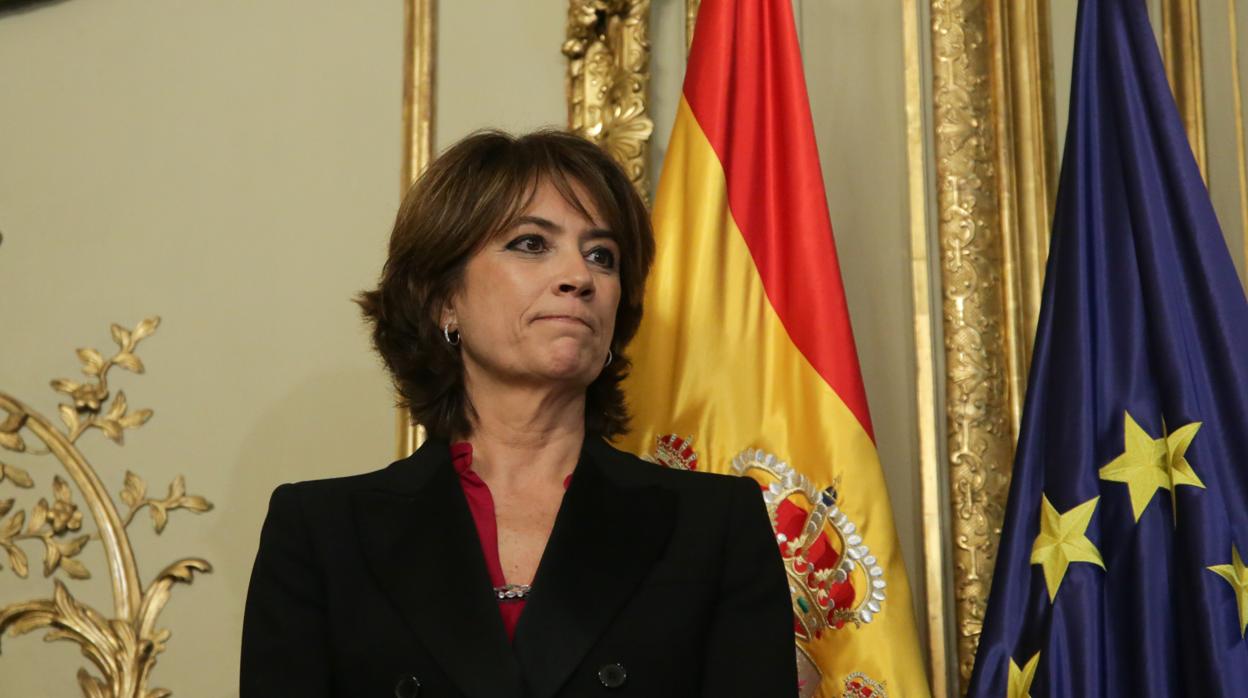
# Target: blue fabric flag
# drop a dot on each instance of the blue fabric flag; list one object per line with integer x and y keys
{"x": 1120, "y": 569}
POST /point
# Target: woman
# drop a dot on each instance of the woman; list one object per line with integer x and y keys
{"x": 516, "y": 553}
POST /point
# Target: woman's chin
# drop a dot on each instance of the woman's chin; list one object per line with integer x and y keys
{"x": 570, "y": 368}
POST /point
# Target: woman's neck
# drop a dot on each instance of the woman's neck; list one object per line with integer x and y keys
{"x": 525, "y": 436}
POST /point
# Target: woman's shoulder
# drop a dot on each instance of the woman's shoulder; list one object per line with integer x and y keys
{"x": 330, "y": 491}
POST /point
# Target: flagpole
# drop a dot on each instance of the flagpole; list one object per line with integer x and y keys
{"x": 932, "y": 486}
{"x": 418, "y": 104}
{"x": 1242, "y": 160}
{"x": 1180, "y": 32}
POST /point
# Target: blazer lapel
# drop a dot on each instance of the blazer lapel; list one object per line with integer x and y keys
{"x": 605, "y": 539}
{"x": 421, "y": 545}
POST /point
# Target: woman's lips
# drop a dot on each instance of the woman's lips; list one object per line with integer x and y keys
{"x": 565, "y": 319}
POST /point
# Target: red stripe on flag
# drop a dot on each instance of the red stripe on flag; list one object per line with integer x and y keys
{"x": 746, "y": 88}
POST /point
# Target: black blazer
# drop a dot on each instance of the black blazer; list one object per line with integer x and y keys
{"x": 655, "y": 582}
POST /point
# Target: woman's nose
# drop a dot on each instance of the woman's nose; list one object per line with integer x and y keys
{"x": 575, "y": 278}
{"x": 580, "y": 287}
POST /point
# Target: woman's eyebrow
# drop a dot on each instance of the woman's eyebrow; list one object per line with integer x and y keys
{"x": 549, "y": 225}
{"x": 600, "y": 234}
{"x": 540, "y": 222}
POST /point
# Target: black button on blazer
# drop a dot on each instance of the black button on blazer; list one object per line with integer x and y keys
{"x": 654, "y": 582}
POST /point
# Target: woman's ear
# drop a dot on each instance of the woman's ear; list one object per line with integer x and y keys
{"x": 447, "y": 315}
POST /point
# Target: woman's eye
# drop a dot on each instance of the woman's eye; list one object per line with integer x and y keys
{"x": 528, "y": 243}
{"x": 602, "y": 257}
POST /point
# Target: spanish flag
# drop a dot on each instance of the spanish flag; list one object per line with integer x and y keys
{"x": 745, "y": 362}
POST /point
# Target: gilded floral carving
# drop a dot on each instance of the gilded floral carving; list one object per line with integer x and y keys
{"x": 122, "y": 647}
{"x": 608, "y": 51}
{"x": 979, "y": 430}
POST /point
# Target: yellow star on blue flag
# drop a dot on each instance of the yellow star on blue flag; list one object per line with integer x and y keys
{"x": 1020, "y": 679}
{"x": 1147, "y": 464}
{"x": 1236, "y": 575}
{"x": 1063, "y": 539}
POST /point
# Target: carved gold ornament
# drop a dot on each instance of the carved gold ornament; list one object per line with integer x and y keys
{"x": 979, "y": 433}
{"x": 123, "y": 647}
{"x": 608, "y": 51}
{"x": 992, "y": 147}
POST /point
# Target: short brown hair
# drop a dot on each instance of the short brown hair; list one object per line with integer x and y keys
{"x": 476, "y": 188}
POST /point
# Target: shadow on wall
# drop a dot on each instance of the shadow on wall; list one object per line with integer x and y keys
{"x": 326, "y": 427}
{"x": 335, "y": 423}
{"x": 10, "y": 7}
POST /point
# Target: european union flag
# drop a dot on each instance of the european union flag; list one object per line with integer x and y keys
{"x": 1120, "y": 571}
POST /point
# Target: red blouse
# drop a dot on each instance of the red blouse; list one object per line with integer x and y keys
{"x": 481, "y": 504}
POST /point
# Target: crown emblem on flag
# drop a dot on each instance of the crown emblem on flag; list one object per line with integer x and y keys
{"x": 859, "y": 685}
{"x": 674, "y": 452}
{"x": 833, "y": 577}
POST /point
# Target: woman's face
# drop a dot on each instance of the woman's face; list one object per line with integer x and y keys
{"x": 537, "y": 304}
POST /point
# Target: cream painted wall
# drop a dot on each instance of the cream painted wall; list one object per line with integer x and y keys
{"x": 499, "y": 66}
{"x": 233, "y": 167}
